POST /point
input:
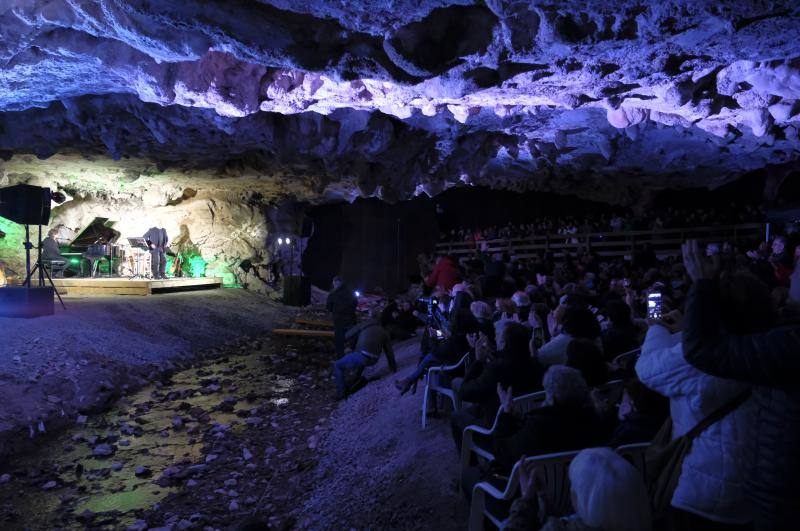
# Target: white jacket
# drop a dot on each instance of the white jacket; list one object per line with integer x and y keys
{"x": 713, "y": 472}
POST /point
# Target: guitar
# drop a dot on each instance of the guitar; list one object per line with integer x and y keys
{"x": 177, "y": 266}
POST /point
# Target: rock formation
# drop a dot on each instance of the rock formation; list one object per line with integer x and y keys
{"x": 246, "y": 101}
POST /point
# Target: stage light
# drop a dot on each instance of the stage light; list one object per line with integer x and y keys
{"x": 357, "y": 293}
{"x": 288, "y": 241}
{"x": 280, "y": 241}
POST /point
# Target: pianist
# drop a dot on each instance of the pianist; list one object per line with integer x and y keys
{"x": 50, "y": 249}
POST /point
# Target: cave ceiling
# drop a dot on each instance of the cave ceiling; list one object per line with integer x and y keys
{"x": 392, "y": 98}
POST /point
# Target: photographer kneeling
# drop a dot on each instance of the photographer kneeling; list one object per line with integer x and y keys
{"x": 371, "y": 339}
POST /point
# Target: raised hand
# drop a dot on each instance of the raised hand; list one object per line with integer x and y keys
{"x": 696, "y": 264}
{"x": 506, "y": 398}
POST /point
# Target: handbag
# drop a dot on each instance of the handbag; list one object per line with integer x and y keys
{"x": 664, "y": 457}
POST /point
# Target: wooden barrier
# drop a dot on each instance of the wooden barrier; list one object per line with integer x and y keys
{"x": 298, "y": 332}
{"x": 665, "y": 242}
{"x": 312, "y": 322}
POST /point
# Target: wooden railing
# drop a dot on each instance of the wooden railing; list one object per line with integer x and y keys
{"x": 665, "y": 242}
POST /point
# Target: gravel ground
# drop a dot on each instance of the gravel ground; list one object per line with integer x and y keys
{"x": 363, "y": 463}
{"x": 379, "y": 469}
{"x": 54, "y": 368}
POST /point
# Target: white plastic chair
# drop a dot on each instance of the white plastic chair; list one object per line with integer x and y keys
{"x": 522, "y": 404}
{"x": 555, "y": 470}
{"x": 624, "y": 360}
{"x": 636, "y": 455}
{"x": 432, "y": 385}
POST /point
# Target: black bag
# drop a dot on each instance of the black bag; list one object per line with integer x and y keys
{"x": 664, "y": 457}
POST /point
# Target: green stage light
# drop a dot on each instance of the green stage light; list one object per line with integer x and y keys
{"x": 197, "y": 266}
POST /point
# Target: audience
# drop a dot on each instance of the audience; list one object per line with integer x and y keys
{"x": 607, "y": 493}
{"x": 567, "y": 226}
{"x": 511, "y": 366}
{"x": 559, "y": 324}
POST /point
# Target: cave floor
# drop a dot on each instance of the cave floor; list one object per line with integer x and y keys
{"x": 237, "y": 429}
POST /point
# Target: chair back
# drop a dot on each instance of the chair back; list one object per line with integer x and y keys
{"x": 635, "y": 455}
{"x": 626, "y": 360}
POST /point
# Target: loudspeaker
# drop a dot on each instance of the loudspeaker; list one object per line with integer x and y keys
{"x": 296, "y": 290}
{"x": 25, "y": 204}
{"x": 26, "y": 302}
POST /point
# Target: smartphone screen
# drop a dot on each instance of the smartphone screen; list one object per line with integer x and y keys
{"x": 654, "y": 305}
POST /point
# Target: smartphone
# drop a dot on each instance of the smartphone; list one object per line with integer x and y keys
{"x": 654, "y": 305}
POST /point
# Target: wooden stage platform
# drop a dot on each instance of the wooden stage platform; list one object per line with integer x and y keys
{"x": 125, "y": 286}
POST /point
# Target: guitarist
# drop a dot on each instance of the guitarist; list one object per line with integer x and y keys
{"x": 157, "y": 240}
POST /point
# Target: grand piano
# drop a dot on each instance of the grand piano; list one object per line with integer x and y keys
{"x": 94, "y": 245}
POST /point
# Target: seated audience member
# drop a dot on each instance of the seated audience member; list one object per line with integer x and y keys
{"x": 566, "y": 422}
{"x": 710, "y": 489}
{"x": 754, "y": 352}
{"x": 622, "y": 336}
{"x": 578, "y": 323}
{"x": 483, "y": 315}
{"x": 641, "y": 413}
{"x": 508, "y": 314}
{"x": 584, "y": 355}
{"x": 511, "y": 366}
{"x": 523, "y": 305}
{"x": 370, "y": 340}
{"x": 607, "y": 493}
{"x": 445, "y": 351}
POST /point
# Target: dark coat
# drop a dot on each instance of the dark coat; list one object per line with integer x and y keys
{"x": 450, "y": 350}
{"x": 156, "y": 237}
{"x": 342, "y": 304}
{"x": 771, "y": 362}
{"x": 481, "y": 379}
{"x": 636, "y": 428}
{"x": 618, "y": 340}
{"x": 542, "y": 431}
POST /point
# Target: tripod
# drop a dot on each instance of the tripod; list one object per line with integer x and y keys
{"x": 38, "y": 267}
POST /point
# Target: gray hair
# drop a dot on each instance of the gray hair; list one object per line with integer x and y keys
{"x": 481, "y": 310}
{"x": 608, "y": 492}
{"x": 565, "y": 385}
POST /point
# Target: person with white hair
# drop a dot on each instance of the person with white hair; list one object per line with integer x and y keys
{"x": 523, "y": 304}
{"x": 608, "y": 494}
{"x": 566, "y": 422}
{"x": 483, "y": 314}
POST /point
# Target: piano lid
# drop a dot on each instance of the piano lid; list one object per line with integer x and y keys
{"x": 99, "y": 231}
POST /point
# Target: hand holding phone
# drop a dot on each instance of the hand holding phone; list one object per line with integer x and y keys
{"x": 654, "y": 305}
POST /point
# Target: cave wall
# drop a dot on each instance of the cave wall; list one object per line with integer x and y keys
{"x": 224, "y": 217}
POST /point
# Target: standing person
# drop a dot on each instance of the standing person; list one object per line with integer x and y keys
{"x": 157, "y": 240}
{"x": 371, "y": 339}
{"x": 342, "y": 304}
{"x": 769, "y": 361}
{"x": 445, "y": 274}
